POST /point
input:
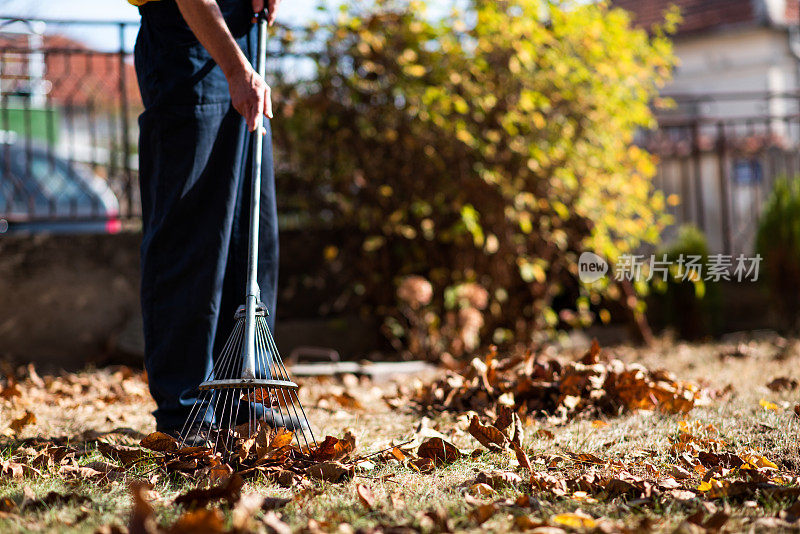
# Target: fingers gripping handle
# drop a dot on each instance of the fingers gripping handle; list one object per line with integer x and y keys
{"x": 253, "y": 293}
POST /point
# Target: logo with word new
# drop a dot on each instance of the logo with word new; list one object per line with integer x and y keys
{"x": 591, "y": 267}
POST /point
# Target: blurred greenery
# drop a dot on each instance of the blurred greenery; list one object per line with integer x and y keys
{"x": 489, "y": 146}
{"x": 778, "y": 242}
{"x": 686, "y": 302}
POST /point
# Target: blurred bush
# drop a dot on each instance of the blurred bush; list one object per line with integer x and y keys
{"x": 778, "y": 243}
{"x": 483, "y": 149}
{"x": 684, "y": 301}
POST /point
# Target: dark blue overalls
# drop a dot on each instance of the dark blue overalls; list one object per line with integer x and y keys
{"x": 194, "y": 179}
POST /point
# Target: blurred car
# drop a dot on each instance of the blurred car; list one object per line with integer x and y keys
{"x": 44, "y": 193}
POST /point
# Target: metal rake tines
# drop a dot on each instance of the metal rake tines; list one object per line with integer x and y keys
{"x": 230, "y": 407}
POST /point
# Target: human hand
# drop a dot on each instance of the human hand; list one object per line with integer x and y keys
{"x": 272, "y": 9}
{"x": 251, "y": 96}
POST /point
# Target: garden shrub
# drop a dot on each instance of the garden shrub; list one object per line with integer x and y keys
{"x": 778, "y": 243}
{"x": 490, "y": 146}
{"x": 689, "y": 305}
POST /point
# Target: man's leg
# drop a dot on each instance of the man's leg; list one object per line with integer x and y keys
{"x": 189, "y": 179}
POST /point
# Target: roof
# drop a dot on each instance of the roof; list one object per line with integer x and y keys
{"x": 714, "y": 15}
{"x": 78, "y": 75}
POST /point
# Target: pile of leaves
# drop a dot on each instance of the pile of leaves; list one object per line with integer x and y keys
{"x": 534, "y": 386}
{"x": 275, "y": 454}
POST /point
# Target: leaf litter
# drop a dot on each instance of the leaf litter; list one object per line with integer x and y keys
{"x": 498, "y": 398}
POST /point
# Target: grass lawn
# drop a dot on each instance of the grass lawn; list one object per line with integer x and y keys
{"x": 747, "y": 419}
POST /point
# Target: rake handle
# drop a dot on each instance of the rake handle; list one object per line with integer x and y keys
{"x": 253, "y": 292}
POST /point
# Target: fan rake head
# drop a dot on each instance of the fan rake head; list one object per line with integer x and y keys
{"x": 234, "y": 404}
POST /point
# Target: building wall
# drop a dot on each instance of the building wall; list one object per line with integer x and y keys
{"x": 756, "y": 63}
{"x": 748, "y": 60}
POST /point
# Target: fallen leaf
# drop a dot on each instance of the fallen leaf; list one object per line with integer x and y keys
{"x": 398, "y": 455}
{"x": 333, "y": 448}
{"x": 230, "y": 492}
{"x": 329, "y": 471}
{"x": 141, "y": 520}
{"x": 481, "y": 489}
{"x": 11, "y": 469}
{"x": 159, "y": 442}
{"x": 365, "y": 496}
{"x": 505, "y": 416}
{"x": 438, "y": 450}
{"x": 679, "y": 472}
{"x": 782, "y": 383}
{"x": 488, "y": 436}
{"x": 543, "y": 433}
{"x": 121, "y": 453}
{"x": 10, "y": 389}
{"x": 483, "y": 513}
{"x": 767, "y": 405}
{"x": 18, "y": 424}
{"x": 574, "y": 520}
{"x": 522, "y": 458}
{"x": 200, "y": 521}
{"x": 524, "y": 522}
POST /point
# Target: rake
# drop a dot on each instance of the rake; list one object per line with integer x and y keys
{"x": 248, "y": 386}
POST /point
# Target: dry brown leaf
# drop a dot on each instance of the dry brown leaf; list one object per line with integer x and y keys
{"x": 366, "y": 496}
{"x": 782, "y": 383}
{"x": 345, "y": 400}
{"x": 522, "y": 458}
{"x": 141, "y": 520}
{"x": 121, "y": 453}
{"x": 592, "y": 356}
{"x": 679, "y": 473}
{"x": 524, "y": 522}
{"x": 546, "y": 434}
{"x": 481, "y": 489}
{"x": 669, "y": 483}
{"x": 483, "y": 513}
{"x": 282, "y": 438}
{"x": 488, "y": 436}
{"x": 330, "y": 471}
{"x": 398, "y": 455}
{"x": 439, "y": 451}
{"x": 18, "y": 424}
{"x": 200, "y": 521}
{"x": 505, "y": 416}
{"x": 273, "y": 503}
{"x": 334, "y": 449}
{"x": 9, "y": 469}
{"x": 11, "y": 388}
{"x": 230, "y": 491}
{"x": 159, "y": 442}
